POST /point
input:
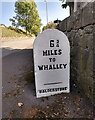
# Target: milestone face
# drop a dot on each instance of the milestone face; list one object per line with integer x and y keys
{"x": 52, "y": 63}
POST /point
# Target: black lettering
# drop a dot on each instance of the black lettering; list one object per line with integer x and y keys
{"x": 52, "y": 52}
{"x": 65, "y": 88}
{"x": 45, "y": 67}
{"x": 45, "y": 53}
{"x": 57, "y": 66}
{"x": 54, "y": 59}
{"x": 54, "y": 66}
{"x": 50, "y": 59}
{"x": 57, "y": 44}
{"x": 56, "y": 89}
{"x": 48, "y": 52}
{"x": 61, "y": 89}
{"x": 50, "y": 67}
{"x": 52, "y": 90}
{"x": 51, "y": 43}
{"x": 59, "y": 52}
{"x": 55, "y": 52}
{"x": 61, "y": 66}
{"x": 40, "y": 67}
{"x": 57, "y": 41}
{"x": 40, "y": 91}
{"x": 64, "y": 65}
{"x": 44, "y": 91}
{"x": 47, "y": 90}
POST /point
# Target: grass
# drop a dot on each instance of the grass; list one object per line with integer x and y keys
{"x": 7, "y": 32}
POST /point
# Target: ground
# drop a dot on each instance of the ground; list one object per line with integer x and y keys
{"x": 19, "y": 89}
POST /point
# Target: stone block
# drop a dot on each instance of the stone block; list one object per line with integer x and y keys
{"x": 70, "y": 23}
{"x": 77, "y": 19}
{"x": 88, "y": 29}
{"x": 87, "y": 15}
{"x": 63, "y": 25}
{"x": 93, "y": 12}
{"x": 74, "y": 21}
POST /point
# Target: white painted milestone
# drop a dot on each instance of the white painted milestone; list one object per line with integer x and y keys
{"x": 51, "y": 63}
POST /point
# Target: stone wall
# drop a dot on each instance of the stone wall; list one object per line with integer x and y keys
{"x": 80, "y": 29}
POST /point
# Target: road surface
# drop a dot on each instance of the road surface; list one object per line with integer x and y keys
{"x": 9, "y": 47}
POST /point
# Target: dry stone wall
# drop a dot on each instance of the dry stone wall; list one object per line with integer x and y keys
{"x": 80, "y": 29}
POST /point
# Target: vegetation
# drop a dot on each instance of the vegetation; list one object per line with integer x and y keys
{"x": 11, "y": 32}
{"x": 70, "y": 4}
{"x": 51, "y": 25}
{"x": 27, "y": 16}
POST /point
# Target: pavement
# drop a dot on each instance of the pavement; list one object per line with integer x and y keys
{"x": 19, "y": 99}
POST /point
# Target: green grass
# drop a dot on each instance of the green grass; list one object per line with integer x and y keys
{"x": 7, "y": 32}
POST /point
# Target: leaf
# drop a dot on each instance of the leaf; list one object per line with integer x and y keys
{"x": 27, "y": 16}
